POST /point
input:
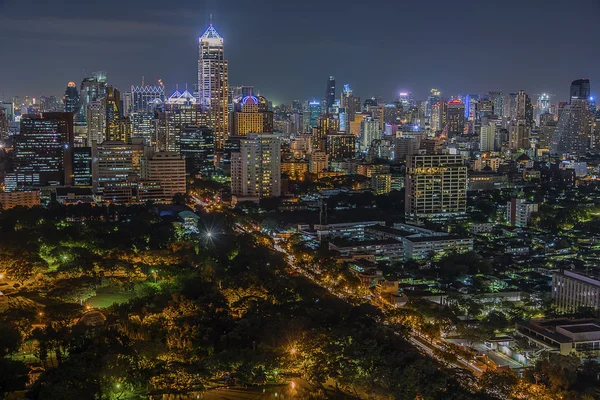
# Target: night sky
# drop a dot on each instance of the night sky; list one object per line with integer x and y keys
{"x": 287, "y": 49}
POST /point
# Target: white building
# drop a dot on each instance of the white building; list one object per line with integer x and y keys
{"x": 369, "y": 131}
{"x": 518, "y": 211}
{"x": 256, "y": 167}
{"x": 571, "y": 291}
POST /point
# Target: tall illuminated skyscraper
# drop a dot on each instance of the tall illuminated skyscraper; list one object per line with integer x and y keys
{"x": 213, "y": 83}
{"x": 251, "y": 115}
{"x": 71, "y": 99}
{"x": 92, "y": 88}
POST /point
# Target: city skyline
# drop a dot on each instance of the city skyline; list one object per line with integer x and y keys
{"x": 145, "y": 43}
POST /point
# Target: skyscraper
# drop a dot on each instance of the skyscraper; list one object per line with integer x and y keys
{"x": 256, "y": 167}
{"x": 71, "y": 99}
{"x": 543, "y": 106}
{"x": 574, "y": 131}
{"x": 146, "y": 98}
{"x": 117, "y": 126}
{"x": 251, "y": 115}
{"x": 580, "y": 89}
{"x": 436, "y": 187}
{"x": 92, "y": 88}
{"x": 330, "y": 93}
{"x": 487, "y": 136}
{"x": 455, "y": 117}
{"x": 524, "y": 109}
{"x": 497, "y": 99}
{"x": 43, "y": 147}
{"x": 213, "y": 83}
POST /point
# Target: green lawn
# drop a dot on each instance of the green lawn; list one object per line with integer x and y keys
{"x": 107, "y": 296}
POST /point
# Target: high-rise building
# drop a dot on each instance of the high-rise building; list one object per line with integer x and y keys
{"x": 455, "y": 117}
{"x": 497, "y": 99}
{"x": 580, "y": 89}
{"x": 96, "y": 121}
{"x": 487, "y": 136}
{"x": 518, "y": 135}
{"x": 350, "y": 102}
{"x": 436, "y": 187}
{"x": 326, "y": 124}
{"x": 167, "y": 169}
{"x": 330, "y": 93}
{"x": 92, "y": 88}
{"x": 524, "y": 110}
{"x": 44, "y": 147}
{"x": 213, "y": 83}
{"x": 543, "y": 107}
{"x": 340, "y": 146}
{"x": 179, "y": 111}
{"x": 198, "y": 148}
{"x": 117, "y": 126}
{"x": 369, "y": 131}
{"x": 71, "y": 99}
{"x": 510, "y": 107}
{"x": 251, "y": 115}
{"x": 312, "y": 113}
{"x": 573, "y": 134}
{"x": 115, "y": 162}
{"x": 256, "y": 167}
{"x": 82, "y": 166}
{"x": 146, "y": 98}
{"x": 435, "y": 96}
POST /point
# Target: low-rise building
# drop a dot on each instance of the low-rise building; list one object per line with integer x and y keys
{"x": 565, "y": 336}
{"x": 16, "y": 199}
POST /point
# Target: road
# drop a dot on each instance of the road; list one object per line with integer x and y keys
{"x": 413, "y": 338}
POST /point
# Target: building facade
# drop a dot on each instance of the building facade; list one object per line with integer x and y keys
{"x": 436, "y": 187}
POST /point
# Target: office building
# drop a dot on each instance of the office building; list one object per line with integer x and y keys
{"x": 256, "y": 167}
{"x": 82, "y": 166}
{"x": 179, "y": 111}
{"x": 44, "y": 147}
{"x": 115, "y": 162}
{"x": 198, "y": 148}
{"x": 166, "y": 168}
{"x": 571, "y": 290}
{"x": 328, "y": 124}
{"x": 92, "y": 88}
{"x": 71, "y": 99}
{"x": 146, "y": 98}
{"x": 580, "y": 89}
{"x": 497, "y": 99}
{"x": 213, "y": 83}
{"x": 350, "y": 103}
{"x": 436, "y": 187}
{"x": 330, "y": 94}
{"x": 311, "y": 115}
{"x": 524, "y": 108}
{"x": 455, "y": 117}
{"x": 251, "y": 115}
{"x": 573, "y": 134}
